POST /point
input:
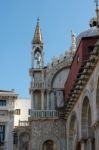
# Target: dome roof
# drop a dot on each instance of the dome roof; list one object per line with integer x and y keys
{"x": 93, "y": 31}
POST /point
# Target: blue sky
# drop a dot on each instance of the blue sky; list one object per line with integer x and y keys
{"x": 17, "y": 24}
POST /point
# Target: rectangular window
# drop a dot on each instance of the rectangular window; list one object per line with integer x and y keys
{"x": 15, "y": 138}
{"x": 2, "y": 102}
{"x": 17, "y": 111}
{"x": 2, "y": 134}
{"x": 29, "y": 111}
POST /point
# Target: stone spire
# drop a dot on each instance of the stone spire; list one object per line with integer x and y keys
{"x": 38, "y": 35}
{"x": 73, "y": 38}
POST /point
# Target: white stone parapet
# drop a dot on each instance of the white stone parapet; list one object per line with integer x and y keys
{"x": 40, "y": 114}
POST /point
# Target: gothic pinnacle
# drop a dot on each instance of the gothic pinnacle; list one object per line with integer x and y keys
{"x": 37, "y": 35}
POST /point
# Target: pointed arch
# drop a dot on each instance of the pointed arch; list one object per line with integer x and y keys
{"x": 73, "y": 132}
{"x": 84, "y": 117}
{"x": 86, "y": 123}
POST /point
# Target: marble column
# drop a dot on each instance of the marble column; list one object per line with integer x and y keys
{"x": 89, "y": 144}
{"x": 83, "y": 145}
{"x": 47, "y": 100}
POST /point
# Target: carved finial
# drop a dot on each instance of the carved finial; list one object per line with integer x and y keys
{"x": 97, "y": 11}
{"x": 73, "y": 38}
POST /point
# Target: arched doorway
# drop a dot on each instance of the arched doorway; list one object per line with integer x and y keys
{"x": 49, "y": 145}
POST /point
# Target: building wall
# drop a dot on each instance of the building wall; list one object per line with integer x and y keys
{"x": 44, "y": 130}
{"x": 80, "y": 58}
{"x": 7, "y": 118}
{"x": 82, "y": 126}
{"x": 23, "y": 105}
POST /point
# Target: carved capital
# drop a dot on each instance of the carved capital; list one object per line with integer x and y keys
{"x": 96, "y": 124}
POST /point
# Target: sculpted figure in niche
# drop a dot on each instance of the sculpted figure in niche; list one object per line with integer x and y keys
{"x": 59, "y": 98}
{"x": 38, "y": 58}
{"x": 52, "y": 100}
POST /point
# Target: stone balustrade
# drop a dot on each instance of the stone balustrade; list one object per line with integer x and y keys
{"x": 44, "y": 114}
{"x": 23, "y": 123}
{"x": 37, "y": 85}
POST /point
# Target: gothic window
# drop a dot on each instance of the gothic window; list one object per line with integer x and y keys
{"x": 84, "y": 121}
{"x": 2, "y": 134}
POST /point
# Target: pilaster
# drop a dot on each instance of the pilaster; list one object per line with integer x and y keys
{"x": 42, "y": 99}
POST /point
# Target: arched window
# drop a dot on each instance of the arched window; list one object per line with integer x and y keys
{"x": 86, "y": 125}
{"x": 84, "y": 118}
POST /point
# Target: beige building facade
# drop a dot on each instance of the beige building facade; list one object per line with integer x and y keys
{"x": 7, "y": 101}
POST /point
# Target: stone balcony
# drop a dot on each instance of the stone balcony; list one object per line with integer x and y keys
{"x": 37, "y": 85}
{"x": 23, "y": 123}
{"x": 44, "y": 114}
